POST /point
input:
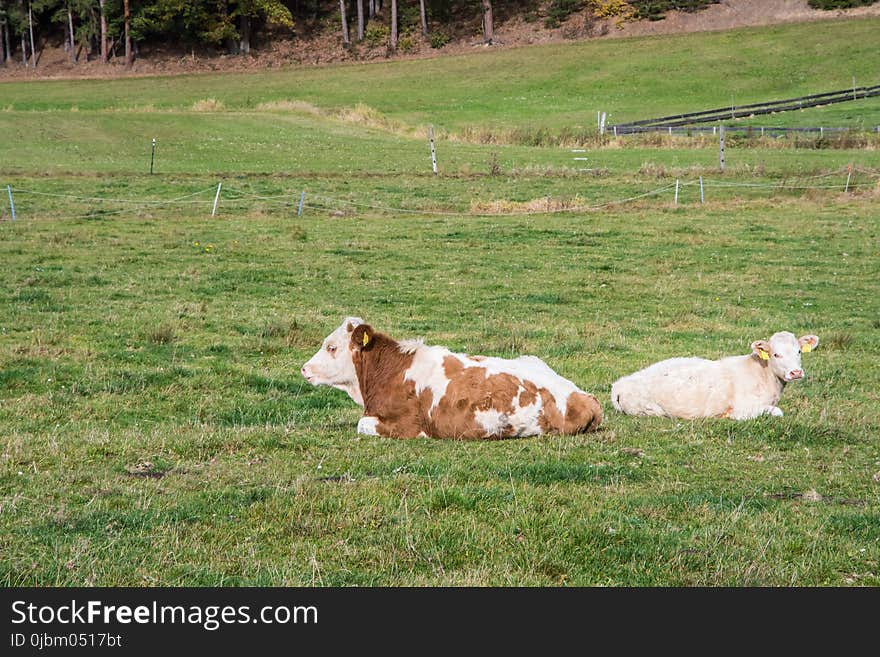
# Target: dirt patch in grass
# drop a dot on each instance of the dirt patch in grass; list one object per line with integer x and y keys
{"x": 144, "y": 469}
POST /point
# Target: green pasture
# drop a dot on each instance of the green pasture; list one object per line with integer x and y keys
{"x": 555, "y": 87}
{"x": 155, "y": 430}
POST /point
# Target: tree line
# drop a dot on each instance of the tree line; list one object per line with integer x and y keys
{"x": 114, "y": 29}
{"x": 110, "y": 29}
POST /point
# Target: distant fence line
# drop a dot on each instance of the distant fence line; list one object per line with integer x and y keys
{"x": 754, "y": 109}
{"x": 751, "y": 131}
{"x": 294, "y": 200}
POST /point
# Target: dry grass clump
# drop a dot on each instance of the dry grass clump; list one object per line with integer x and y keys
{"x": 208, "y": 105}
{"x": 290, "y": 106}
{"x": 534, "y": 206}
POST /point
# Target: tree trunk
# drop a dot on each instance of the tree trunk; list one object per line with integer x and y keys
{"x": 103, "y": 33}
{"x": 360, "y": 5}
{"x": 244, "y": 44}
{"x": 72, "y": 43}
{"x": 23, "y": 50}
{"x": 3, "y": 56}
{"x": 31, "y": 27}
{"x": 345, "y": 39}
{"x": 127, "y": 17}
{"x": 424, "y": 18}
{"x": 372, "y": 8}
{"x": 488, "y": 25}
{"x": 393, "y": 25}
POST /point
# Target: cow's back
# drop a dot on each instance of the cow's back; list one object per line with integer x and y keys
{"x": 676, "y": 387}
{"x": 490, "y": 397}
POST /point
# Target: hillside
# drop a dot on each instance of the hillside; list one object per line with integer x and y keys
{"x": 319, "y": 42}
{"x": 529, "y": 96}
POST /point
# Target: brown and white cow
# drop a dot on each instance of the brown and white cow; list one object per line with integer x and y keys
{"x": 738, "y": 387}
{"x": 409, "y": 389}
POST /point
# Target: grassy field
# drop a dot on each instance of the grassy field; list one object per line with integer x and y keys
{"x": 554, "y": 87}
{"x": 154, "y": 428}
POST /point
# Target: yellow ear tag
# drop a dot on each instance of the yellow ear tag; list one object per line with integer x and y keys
{"x": 807, "y": 347}
{"x": 763, "y": 354}
{"x": 366, "y": 339}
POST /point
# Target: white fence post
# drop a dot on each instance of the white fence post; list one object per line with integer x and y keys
{"x": 721, "y": 147}
{"x": 848, "y": 176}
{"x": 702, "y": 197}
{"x": 433, "y": 151}
{"x": 11, "y": 202}
{"x": 676, "y": 192}
{"x": 302, "y": 197}
{"x": 216, "y": 199}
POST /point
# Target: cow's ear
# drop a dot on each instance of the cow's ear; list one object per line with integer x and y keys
{"x": 362, "y": 337}
{"x": 808, "y": 342}
{"x": 761, "y": 348}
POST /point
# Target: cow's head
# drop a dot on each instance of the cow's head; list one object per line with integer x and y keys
{"x": 333, "y": 365}
{"x": 782, "y": 353}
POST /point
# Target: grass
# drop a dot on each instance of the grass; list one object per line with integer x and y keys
{"x": 154, "y": 428}
{"x": 159, "y": 351}
{"x": 554, "y": 87}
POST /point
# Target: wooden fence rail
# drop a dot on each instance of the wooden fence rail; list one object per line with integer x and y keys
{"x": 754, "y": 109}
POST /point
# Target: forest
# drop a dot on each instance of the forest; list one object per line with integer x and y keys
{"x": 103, "y": 29}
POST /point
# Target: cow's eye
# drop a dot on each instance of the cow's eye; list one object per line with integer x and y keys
{"x": 331, "y": 349}
{"x": 776, "y": 356}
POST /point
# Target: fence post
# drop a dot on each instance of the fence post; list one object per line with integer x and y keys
{"x": 721, "y": 147}
{"x": 848, "y": 176}
{"x": 152, "y": 155}
{"x": 433, "y": 152}
{"x": 702, "y": 197}
{"x": 676, "y": 192}
{"x": 602, "y": 124}
{"x": 216, "y": 199}
{"x": 302, "y": 197}
{"x": 11, "y": 202}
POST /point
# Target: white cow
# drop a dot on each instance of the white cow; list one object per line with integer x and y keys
{"x": 738, "y": 387}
